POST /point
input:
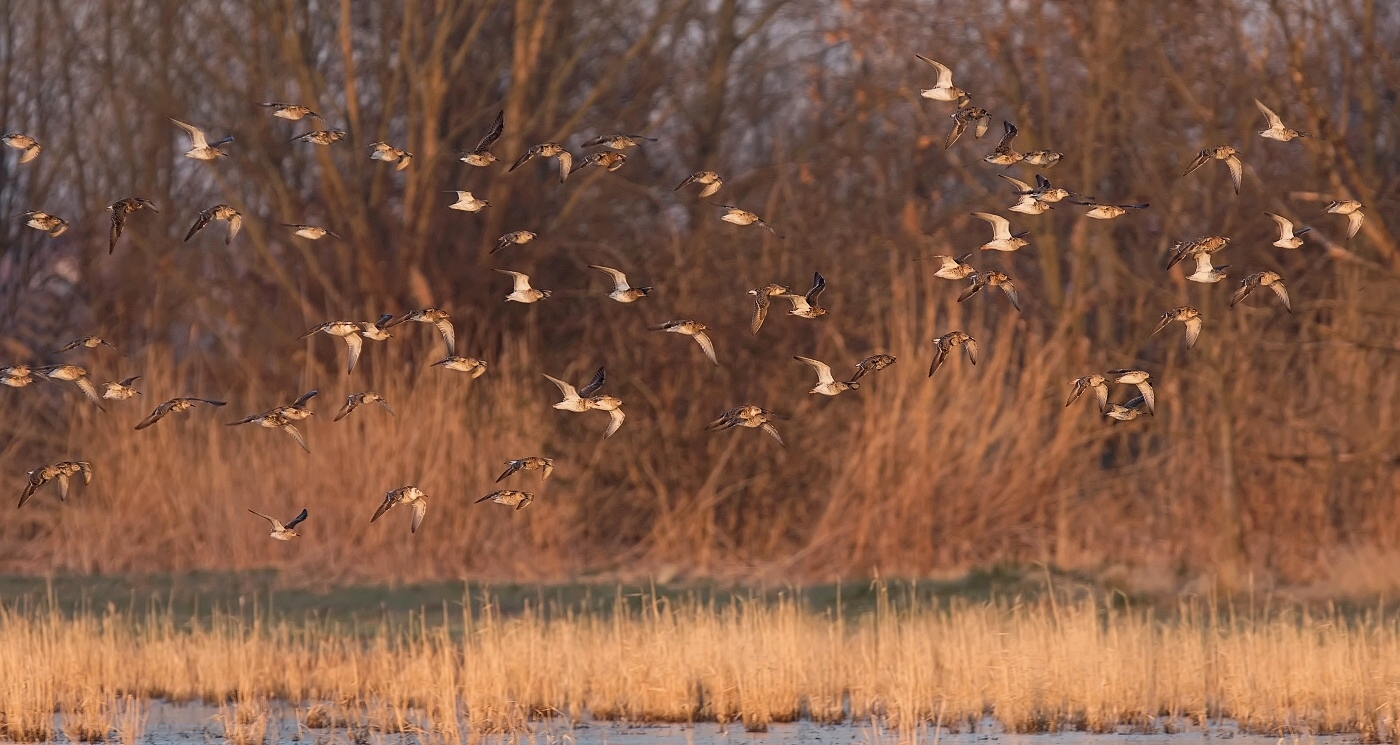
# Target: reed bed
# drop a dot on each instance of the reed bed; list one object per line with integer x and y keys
{"x": 1032, "y": 667}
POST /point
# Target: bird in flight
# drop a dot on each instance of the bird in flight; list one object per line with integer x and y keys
{"x": 548, "y": 150}
{"x": 1004, "y": 154}
{"x": 439, "y": 318}
{"x": 28, "y": 146}
{"x": 943, "y": 90}
{"x": 1287, "y": 234}
{"x": 51, "y": 224}
{"x": 470, "y": 365}
{"x": 467, "y": 203}
{"x": 1137, "y": 378}
{"x": 408, "y": 496}
{"x": 174, "y": 406}
{"x": 1256, "y": 280}
{"x": 1092, "y": 381}
{"x": 87, "y": 342}
{"x": 1188, "y": 316}
{"x": 618, "y": 141}
{"x": 1225, "y": 153}
{"x": 233, "y": 217}
{"x": 390, "y": 154}
{"x": 873, "y": 363}
{"x": 513, "y": 238}
{"x": 946, "y": 343}
{"x": 826, "y": 384}
{"x": 622, "y": 292}
{"x": 121, "y": 390}
{"x": 283, "y": 532}
{"x": 762, "y": 299}
{"x": 320, "y": 136}
{"x": 481, "y": 156}
{"x": 356, "y": 400}
{"x": 509, "y": 497}
{"x": 693, "y": 329}
{"x": 992, "y": 278}
{"x": 200, "y": 147}
{"x": 710, "y": 182}
{"x": 805, "y": 306}
{"x": 62, "y": 472}
{"x": 1349, "y": 207}
{"x": 523, "y": 292}
{"x": 737, "y": 216}
{"x": 1002, "y": 237}
{"x": 309, "y": 232}
{"x": 962, "y": 118}
{"x": 749, "y": 416}
{"x": 274, "y": 420}
{"x": 73, "y": 374}
{"x": 120, "y": 209}
{"x": 530, "y": 463}
{"x": 1276, "y": 130}
{"x": 290, "y": 111}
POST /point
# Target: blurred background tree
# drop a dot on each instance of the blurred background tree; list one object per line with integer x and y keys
{"x": 1275, "y": 440}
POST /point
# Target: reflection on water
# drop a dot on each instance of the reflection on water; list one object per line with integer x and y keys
{"x": 182, "y": 723}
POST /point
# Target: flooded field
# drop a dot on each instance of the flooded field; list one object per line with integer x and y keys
{"x": 173, "y": 724}
{"x": 697, "y": 669}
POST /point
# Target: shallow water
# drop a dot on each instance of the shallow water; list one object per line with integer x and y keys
{"x": 178, "y": 724}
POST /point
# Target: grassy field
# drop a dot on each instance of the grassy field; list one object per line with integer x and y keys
{"x": 899, "y": 656}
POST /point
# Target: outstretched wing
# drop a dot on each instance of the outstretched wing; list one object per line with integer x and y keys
{"x": 616, "y": 417}
{"x": 522, "y": 160}
{"x": 619, "y": 279}
{"x": 449, "y": 335}
{"x": 1236, "y": 171}
{"x": 1200, "y": 160}
{"x": 350, "y": 403}
{"x": 204, "y": 218}
{"x": 566, "y": 389}
{"x": 36, "y": 480}
{"x": 156, "y": 415}
{"x": 90, "y": 391}
{"x": 594, "y": 383}
{"x": 818, "y": 284}
{"x": 760, "y": 311}
{"x": 823, "y": 370}
{"x": 497, "y": 128}
{"x": 118, "y": 222}
{"x": 235, "y": 223}
{"x": 197, "y": 140}
{"x": 291, "y": 429}
{"x": 389, "y": 501}
{"x": 354, "y": 344}
{"x": 706, "y": 346}
{"x": 515, "y": 466}
{"x": 566, "y": 164}
{"x": 1354, "y": 221}
{"x": 1274, "y": 121}
{"x": 296, "y": 520}
{"x": 1193, "y": 331}
{"x": 959, "y": 126}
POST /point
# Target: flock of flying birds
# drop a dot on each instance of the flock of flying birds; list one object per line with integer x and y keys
{"x": 609, "y": 152}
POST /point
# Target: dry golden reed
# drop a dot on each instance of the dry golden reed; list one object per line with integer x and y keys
{"x": 1037, "y": 667}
